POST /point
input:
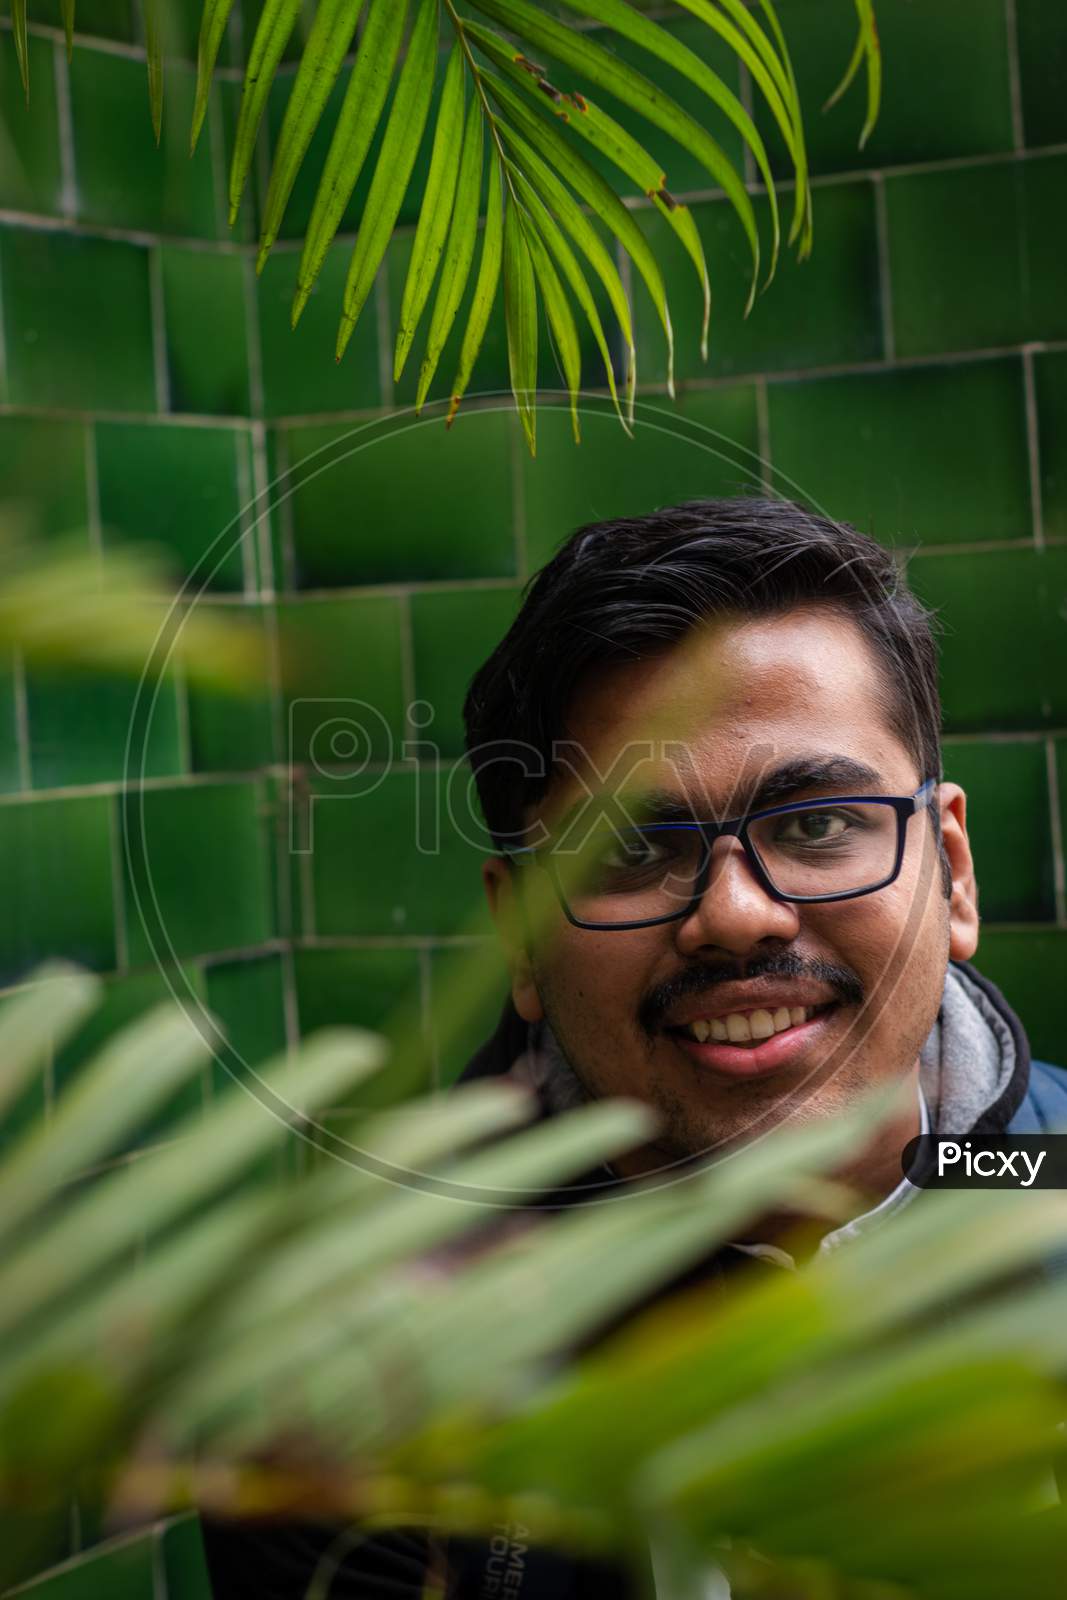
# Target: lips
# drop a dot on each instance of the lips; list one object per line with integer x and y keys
{"x": 783, "y": 1050}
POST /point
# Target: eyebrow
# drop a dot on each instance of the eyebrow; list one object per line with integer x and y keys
{"x": 780, "y": 784}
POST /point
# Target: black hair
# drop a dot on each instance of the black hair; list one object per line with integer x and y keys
{"x": 637, "y": 585}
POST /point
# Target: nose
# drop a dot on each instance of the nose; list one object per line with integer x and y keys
{"x": 735, "y": 912}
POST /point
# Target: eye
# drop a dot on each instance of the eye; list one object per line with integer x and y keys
{"x": 814, "y": 826}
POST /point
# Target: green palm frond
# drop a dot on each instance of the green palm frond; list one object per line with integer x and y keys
{"x": 880, "y": 1426}
{"x": 498, "y": 106}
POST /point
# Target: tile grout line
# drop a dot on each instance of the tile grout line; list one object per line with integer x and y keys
{"x": 1059, "y": 872}
{"x": 407, "y": 660}
{"x": 68, "y": 183}
{"x": 159, "y": 329}
{"x": 92, "y": 490}
{"x": 4, "y": 390}
{"x": 763, "y": 436}
{"x": 885, "y": 278}
{"x": 426, "y": 1011}
{"x": 118, "y": 881}
{"x": 49, "y": 222}
{"x": 181, "y": 705}
{"x": 1011, "y": 47}
{"x": 1033, "y": 450}
{"x": 285, "y": 515}
{"x": 22, "y": 720}
{"x": 250, "y": 583}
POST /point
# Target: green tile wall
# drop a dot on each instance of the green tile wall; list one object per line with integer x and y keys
{"x": 911, "y": 376}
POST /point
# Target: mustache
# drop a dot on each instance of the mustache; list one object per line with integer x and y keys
{"x": 703, "y": 979}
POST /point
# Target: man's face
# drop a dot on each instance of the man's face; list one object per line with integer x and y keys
{"x": 744, "y": 699}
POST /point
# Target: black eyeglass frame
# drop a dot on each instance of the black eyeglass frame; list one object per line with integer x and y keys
{"x": 905, "y": 807}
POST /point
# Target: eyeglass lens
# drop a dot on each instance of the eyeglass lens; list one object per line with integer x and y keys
{"x": 629, "y": 874}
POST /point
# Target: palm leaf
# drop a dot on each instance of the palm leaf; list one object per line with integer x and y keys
{"x": 153, "y": 40}
{"x": 489, "y": 269}
{"x": 327, "y": 44}
{"x": 18, "y": 28}
{"x": 633, "y": 89}
{"x": 67, "y": 12}
{"x": 360, "y": 113}
{"x": 276, "y": 23}
{"x": 520, "y": 318}
{"x": 403, "y": 135}
{"x": 868, "y": 49}
{"x": 459, "y": 249}
{"x": 212, "y": 26}
{"x": 436, "y": 210}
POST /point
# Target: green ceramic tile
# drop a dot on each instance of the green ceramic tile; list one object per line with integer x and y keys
{"x": 31, "y": 178}
{"x": 124, "y": 1000}
{"x": 102, "y": 19}
{"x": 1008, "y": 217}
{"x": 184, "y": 1563}
{"x": 79, "y": 725}
{"x": 342, "y": 666}
{"x": 490, "y": 373}
{"x": 42, "y": 468}
{"x": 1017, "y": 598}
{"x": 924, "y": 47}
{"x": 815, "y": 313}
{"x": 124, "y": 178}
{"x": 704, "y": 444}
{"x": 121, "y": 1569}
{"x": 1050, "y": 386}
{"x": 453, "y": 631}
{"x": 457, "y": 1037}
{"x": 1007, "y": 784}
{"x": 231, "y": 731}
{"x": 77, "y": 321}
{"x": 1042, "y": 35}
{"x": 1028, "y": 966}
{"x": 55, "y": 864}
{"x": 207, "y": 347}
{"x": 364, "y": 988}
{"x": 395, "y": 861}
{"x": 246, "y": 997}
{"x": 301, "y": 375}
{"x": 403, "y": 501}
{"x": 923, "y": 455}
{"x": 200, "y": 870}
{"x": 177, "y": 487}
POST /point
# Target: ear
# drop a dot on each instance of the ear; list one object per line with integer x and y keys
{"x": 503, "y": 895}
{"x": 963, "y": 906}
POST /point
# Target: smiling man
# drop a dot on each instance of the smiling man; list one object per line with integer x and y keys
{"x": 730, "y": 881}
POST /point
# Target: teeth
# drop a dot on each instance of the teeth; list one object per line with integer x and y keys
{"x": 742, "y": 1027}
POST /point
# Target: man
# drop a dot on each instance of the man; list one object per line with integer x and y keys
{"x": 729, "y": 882}
{"x": 790, "y": 665}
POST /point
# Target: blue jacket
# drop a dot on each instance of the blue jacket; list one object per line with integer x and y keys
{"x": 1044, "y": 1105}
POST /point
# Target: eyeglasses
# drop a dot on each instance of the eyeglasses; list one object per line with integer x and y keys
{"x": 809, "y": 851}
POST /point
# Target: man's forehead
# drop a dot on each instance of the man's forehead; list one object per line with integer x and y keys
{"x": 729, "y": 681}
{"x": 740, "y": 714}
